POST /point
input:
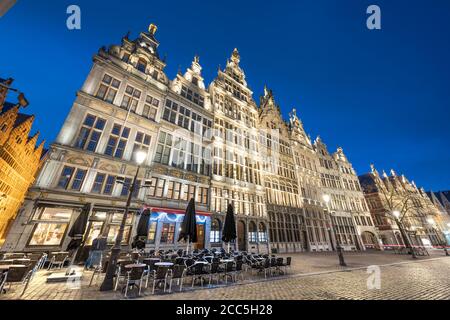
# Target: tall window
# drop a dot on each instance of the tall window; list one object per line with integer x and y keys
{"x": 193, "y": 158}
{"x": 78, "y": 179}
{"x": 142, "y": 142}
{"x": 142, "y": 65}
{"x": 191, "y": 192}
{"x": 253, "y": 233}
{"x": 196, "y": 124}
{"x": 262, "y": 233}
{"x": 205, "y": 166}
{"x": 117, "y": 141}
{"x": 103, "y": 183}
{"x": 179, "y": 153}
{"x": 150, "y": 108}
{"x": 170, "y": 111}
{"x": 163, "y": 149}
{"x": 66, "y": 176}
{"x": 174, "y": 190}
{"x": 184, "y": 117}
{"x": 130, "y": 99}
{"x": 152, "y": 232}
{"x": 109, "y": 185}
{"x": 157, "y": 188}
{"x": 98, "y": 183}
{"x": 214, "y": 236}
{"x": 71, "y": 177}
{"x": 108, "y": 88}
{"x": 168, "y": 233}
{"x": 90, "y": 133}
{"x": 126, "y": 187}
{"x": 202, "y": 195}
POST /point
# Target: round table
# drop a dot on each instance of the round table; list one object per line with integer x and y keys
{"x": 8, "y": 260}
{"x": 135, "y": 265}
{"x": 22, "y": 260}
{"x": 9, "y": 266}
{"x": 201, "y": 262}
{"x": 164, "y": 264}
{"x": 226, "y": 260}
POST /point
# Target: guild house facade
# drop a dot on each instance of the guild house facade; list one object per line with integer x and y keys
{"x": 20, "y": 158}
{"x": 214, "y": 144}
{"x": 423, "y": 222}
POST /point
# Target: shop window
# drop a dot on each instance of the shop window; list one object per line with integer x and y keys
{"x": 262, "y": 233}
{"x": 253, "y": 233}
{"x": 94, "y": 232}
{"x": 114, "y": 231}
{"x": 48, "y": 234}
{"x": 214, "y": 236}
{"x": 168, "y": 233}
{"x": 152, "y": 232}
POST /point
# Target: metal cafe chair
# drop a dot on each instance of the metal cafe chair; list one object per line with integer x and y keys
{"x": 58, "y": 260}
{"x": 160, "y": 275}
{"x": 3, "y": 276}
{"x": 121, "y": 271}
{"x": 177, "y": 273}
{"x": 135, "y": 277}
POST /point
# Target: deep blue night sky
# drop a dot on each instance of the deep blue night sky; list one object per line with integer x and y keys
{"x": 384, "y": 96}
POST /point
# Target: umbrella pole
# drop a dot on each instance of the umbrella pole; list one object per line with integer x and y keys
{"x": 229, "y": 247}
{"x": 187, "y": 248}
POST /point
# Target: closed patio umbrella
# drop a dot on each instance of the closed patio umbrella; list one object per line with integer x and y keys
{"x": 229, "y": 228}
{"x": 142, "y": 230}
{"x": 188, "y": 231}
{"x": 79, "y": 228}
{"x": 77, "y": 232}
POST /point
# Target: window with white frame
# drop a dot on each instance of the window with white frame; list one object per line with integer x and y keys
{"x": 117, "y": 141}
{"x": 163, "y": 149}
{"x": 90, "y": 133}
{"x": 150, "y": 108}
{"x": 108, "y": 88}
{"x": 130, "y": 99}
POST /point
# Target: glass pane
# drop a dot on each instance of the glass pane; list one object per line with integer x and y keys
{"x": 58, "y": 214}
{"x": 48, "y": 234}
{"x": 94, "y": 232}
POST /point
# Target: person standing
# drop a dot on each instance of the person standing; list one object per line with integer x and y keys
{"x": 96, "y": 254}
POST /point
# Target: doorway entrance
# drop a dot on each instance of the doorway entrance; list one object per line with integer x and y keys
{"x": 241, "y": 236}
{"x": 200, "y": 237}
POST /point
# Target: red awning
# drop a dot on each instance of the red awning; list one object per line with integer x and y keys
{"x": 176, "y": 211}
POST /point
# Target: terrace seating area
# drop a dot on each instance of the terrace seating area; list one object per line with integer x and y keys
{"x": 18, "y": 269}
{"x": 162, "y": 272}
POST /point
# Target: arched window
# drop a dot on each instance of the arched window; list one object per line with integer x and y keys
{"x": 214, "y": 236}
{"x": 141, "y": 65}
{"x": 262, "y": 232}
{"x": 252, "y": 232}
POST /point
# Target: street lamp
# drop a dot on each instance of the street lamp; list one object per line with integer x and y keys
{"x": 108, "y": 281}
{"x": 326, "y": 198}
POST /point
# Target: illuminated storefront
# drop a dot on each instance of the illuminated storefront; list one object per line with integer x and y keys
{"x": 165, "y": 225}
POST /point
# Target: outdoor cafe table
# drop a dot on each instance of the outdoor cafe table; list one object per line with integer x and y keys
{"x": 135, "y": 265}
{"x": 22, "y": 260}
{"x": 164, "y": 264}
{"x": 226, "y": 260}
{"x": 9, "y": 266}
{"x": 201, "y": 262}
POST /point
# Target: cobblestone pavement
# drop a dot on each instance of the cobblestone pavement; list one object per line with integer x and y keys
{"x": 312, "y": 276}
